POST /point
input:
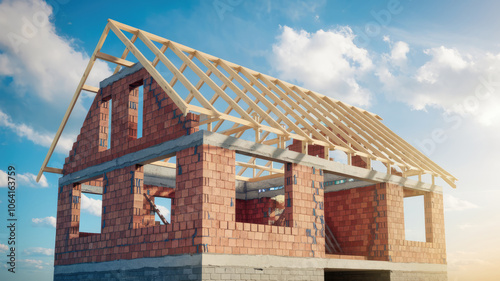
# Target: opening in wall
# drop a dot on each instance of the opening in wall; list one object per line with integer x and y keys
{"x": 140, "y": 111}
{"x": 260, "y": 192}
{"x": 105, "y": 125}
{"x": 414, "y": 216}
{"x": 90, "y": 213}
{"x": 109, "y": 129}
{"x": 164, "y": 206}
{"x": 91, "y": 208}
{"x": 136, "y": 106}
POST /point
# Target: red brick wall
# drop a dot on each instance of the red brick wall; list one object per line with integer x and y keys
{"x": 312, "y": 149}
{"x": 358, "y": 161}
{"x": 432, "y": 251}
{"x": 204, "y": 220}
{"x": 260, "y": 211}
{"x": 357, "y": 219}
{"x": 369, "y": 221}
{"x": 162, "y": 121}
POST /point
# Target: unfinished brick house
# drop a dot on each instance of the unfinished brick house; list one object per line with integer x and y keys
{"x": 253, "y": 166}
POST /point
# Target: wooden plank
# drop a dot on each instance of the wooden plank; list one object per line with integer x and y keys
{"x": 234, "y": 130}
{"x": 259, "y": 167}
{"x": 90, "y": 89}
{"x": 156, "y": 60}
{"x": 125, "y": 53}
{"x": 163, "y": 164}
{"x": 241, "y": 178}
{"x": 73, "y": 101}
{"x": 181, "y": 69}
{"x": 274, "y": 176}
{"x": 53, "y": 170}
{"x": 114, "y": 59}
{"x": 151, "y": 69}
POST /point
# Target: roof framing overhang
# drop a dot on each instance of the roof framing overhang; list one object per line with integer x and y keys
{"x": 255, "y": 101}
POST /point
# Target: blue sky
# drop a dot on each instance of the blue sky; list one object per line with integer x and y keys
{"x": 429, "y": 68}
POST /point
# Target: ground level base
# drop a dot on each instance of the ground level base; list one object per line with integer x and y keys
{"x": 243, "y": 267}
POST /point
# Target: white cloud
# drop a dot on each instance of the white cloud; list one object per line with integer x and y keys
{"x": 456, "y": 82}
{"x": 32, "y": 263}
{"x": 91, "y": 205}
{"x": 163, "y": 210}
{"x": 44, "y": 222}
{"x": 325, "y": 61}
{"x": 30, "y": 180}
{"x": 44, "y": 139}
{"x": 3, "y": 248}
{"x": 399, "y": 51}
{"x": 27, "y": 179}
{"x": 39, "y": 251}
{"x": 40, "y": 61}
{"x": 452, "y": 203}
{"x": 462, "y": 258}
{"x": 443, "y": 60}
{"x": 3, "y": 179}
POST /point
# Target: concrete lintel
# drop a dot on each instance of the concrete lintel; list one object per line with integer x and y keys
{"x": 92, "y": 189}
{"x": 159, "y": 176}
{"x": 255, "y": 194}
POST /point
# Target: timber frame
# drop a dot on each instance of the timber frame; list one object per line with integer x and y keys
{"x": 245, "y": 100}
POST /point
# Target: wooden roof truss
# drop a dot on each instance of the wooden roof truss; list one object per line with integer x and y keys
{"x": 275, "y": 110}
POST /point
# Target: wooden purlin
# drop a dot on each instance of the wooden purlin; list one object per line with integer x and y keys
{"x": 309, "y": 116}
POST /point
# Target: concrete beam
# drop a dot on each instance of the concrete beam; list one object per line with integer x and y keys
{"x": 283, "y": 155}
{"x": 245, "y": 147}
